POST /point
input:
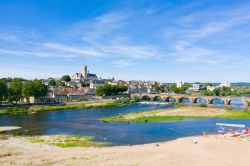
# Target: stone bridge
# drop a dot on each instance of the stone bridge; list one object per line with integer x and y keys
{"x": 193, "y": 98}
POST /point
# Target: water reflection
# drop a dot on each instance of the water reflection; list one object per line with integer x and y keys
{"x": 237, "y": 103}
{"x": 86, "y": 122}
{"x": 201, "y": 101}
{"x": 185, "y": 100}
{"x": 217, "y": 102}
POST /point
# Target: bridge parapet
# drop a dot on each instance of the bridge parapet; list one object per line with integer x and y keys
{"x": 193, "y": 98}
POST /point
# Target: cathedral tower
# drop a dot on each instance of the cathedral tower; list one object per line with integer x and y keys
{"x": 84, "y": 71}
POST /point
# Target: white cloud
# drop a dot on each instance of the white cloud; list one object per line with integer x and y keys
{"x": 9, "y": 38}
{"x": 131, "y": 51}
{"x": 30, "y": 53}
{"x": 123, "y": 63}
{"x": 100, "y": 27}
{"x": 74, "y": 50}
{"x": 204, "y": 26}
{"x": 105, "y": 36}
{"x": 187, "y": 53}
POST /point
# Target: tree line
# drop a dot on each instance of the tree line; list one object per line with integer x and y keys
{"x": 221, "y": 91}
{"x": 181, "y": 89}
{"x": 109, "y": 90}
{"x": 19, "y": 88}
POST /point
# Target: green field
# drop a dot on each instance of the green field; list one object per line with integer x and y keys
{"x": 150, "y": 116}
{"x": 43, "y": 108}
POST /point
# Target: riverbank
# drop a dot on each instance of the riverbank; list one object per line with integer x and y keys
{"x": 80, "y": 105}
{"x": 8, "y": 128}
{"x": 184, "y": 112}
{"x": 207, "y": 151}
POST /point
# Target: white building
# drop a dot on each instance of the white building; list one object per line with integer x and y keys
{"x": 211, "y": 88}
{"x": 75, "y": 83}
{"x": 113, "y": 83}
{"x": 96, "y": 83}
{"x": 152, "y": 91}
{"x": 226, "y": 84}
{"x": 195, "y": 88}
{"x": 76, "y": 96}
{"x": 135, "y": 89}
{"x": 60, "y": 97}
{"x": 179, "y": 84}
{"x": 77, "y": 76}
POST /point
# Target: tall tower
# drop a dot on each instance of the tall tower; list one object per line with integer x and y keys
{"x": 84, "y": 71}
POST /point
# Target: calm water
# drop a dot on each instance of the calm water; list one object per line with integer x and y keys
{"x": 86, "y": 122}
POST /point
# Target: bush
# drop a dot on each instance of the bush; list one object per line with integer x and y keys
{"x": 109, "y": 90}
{"x": 16, "y": 110}
{"x": 68, "y": 100}
{"x": 177, "y": 105}
{"x": 203, "y": 105}
{"x": 83, "y": 99}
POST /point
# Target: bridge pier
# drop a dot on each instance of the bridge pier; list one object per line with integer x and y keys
{"x": 192, "y": 99}
{"x": 246, "y": 103}
{"x": 226, "y": 102}
{"x": 208, "y": 100}
{"x": 178, "y": 99}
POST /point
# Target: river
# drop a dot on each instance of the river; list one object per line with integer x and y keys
{"x": 86, "y": 122}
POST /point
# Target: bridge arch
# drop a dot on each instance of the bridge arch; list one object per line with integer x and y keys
{"x": 200, "y": 101}
{"x": 217, "y": 101}
{"x": 185, "y": 100}
{"x": 146, "y": 98}
{"x": 171, "y": 99}
{"x": 157, "y": 98}
{"x": 236, "y": 102}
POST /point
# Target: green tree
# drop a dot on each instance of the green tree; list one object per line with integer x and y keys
{"x": 66, "y": 78}
{"x": 3, "y": 90}
{"x": 109, "y": 90}
{"x": 225, "y": 91}
{"x": 159, "y": 88}
{"x": 182, "y": 89}
{"x": 52, "y": 82}
{"x": 61, "y": 84}
{"x": 15, "y": 90}
{"x": 40, "y": 90}
{"x": 208, "y": 84}
{"x": 208, "y": 93}
{"x": 28, "y": 89}
{"x": 84, "y": 84}
{"x": 217, "y": 91}
{"x": 34, "y": 89}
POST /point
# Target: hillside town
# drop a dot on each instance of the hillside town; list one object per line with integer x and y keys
{"x": 82, "y": 86}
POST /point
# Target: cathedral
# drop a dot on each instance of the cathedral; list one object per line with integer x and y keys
{"x": 84, "y": 75}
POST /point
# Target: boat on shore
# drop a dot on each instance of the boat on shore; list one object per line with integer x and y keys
{"x": 231, "y": 125}
{"x": 231, "y": 131}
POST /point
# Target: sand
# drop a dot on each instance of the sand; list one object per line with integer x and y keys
{"x": 193, "y": 111}
{"x": 185, "y": 111}
{"x": 7, "y": 128}
{"x": 180, "y": 152}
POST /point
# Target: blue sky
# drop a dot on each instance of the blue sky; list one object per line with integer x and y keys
{"x": 164, "y": 40}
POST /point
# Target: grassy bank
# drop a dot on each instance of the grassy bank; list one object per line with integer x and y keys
{"x": 155, "y": 116}
{"x": 67, "y": 141}
{"x": 43, "y": 108}
{"x": 63, "y": 141}
{"x": 149, "y": 118}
